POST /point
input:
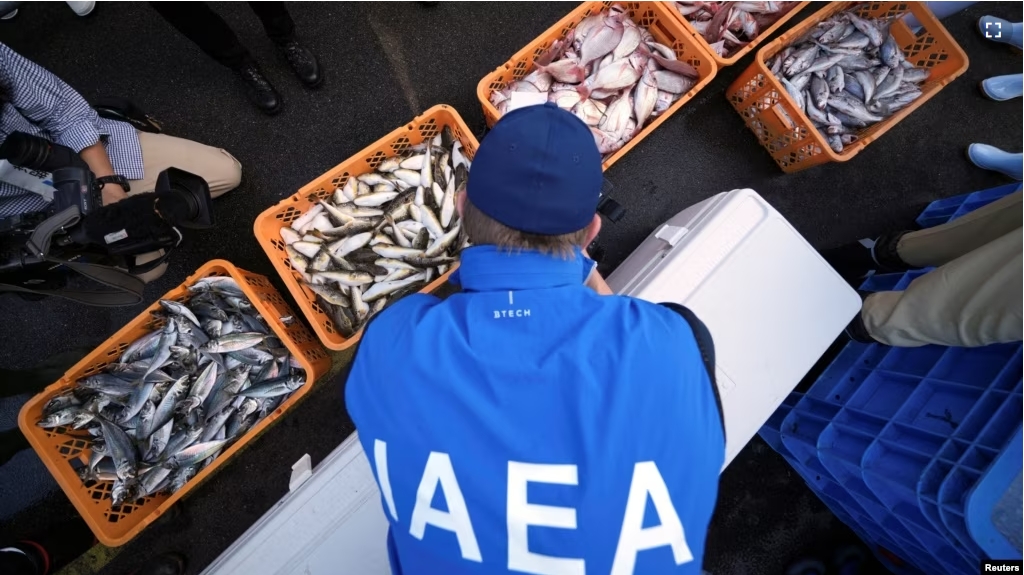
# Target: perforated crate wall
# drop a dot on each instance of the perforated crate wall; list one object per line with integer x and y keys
{"x": 656, "y": 17}
{"x": 63, "y": 449}
{"x": 268, "y": 224}
{"x": 786, "y": 132}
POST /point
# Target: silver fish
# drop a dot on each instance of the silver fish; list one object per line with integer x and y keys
{"x": 382, "y": 289}
{"x": 819, "y": 91}
{"x": 867, "y": 28}
{"x": 157, "y": 441}
{"x": 194, "y": 454}
{"x": 274, "y": 387}
{"x": 232, "y": 342}
{"x": 179, "y": 309}
{"x": 836, "y": 80}
{"x": 852, "y": 107}
{"x": 346, "y": 278}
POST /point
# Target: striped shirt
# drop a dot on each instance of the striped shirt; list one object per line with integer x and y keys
{"x": 34, "y": 101}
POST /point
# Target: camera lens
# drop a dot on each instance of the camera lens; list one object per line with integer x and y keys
{"x": 26, "y": 151}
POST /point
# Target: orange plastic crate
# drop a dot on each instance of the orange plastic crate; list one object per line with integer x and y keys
{"x": 656, "y": 17}
{"x": 723, "y": 62}
{"x": 787, "y": 133}
{"x": 57, "y": 447}
{"x": 268, "y": 225}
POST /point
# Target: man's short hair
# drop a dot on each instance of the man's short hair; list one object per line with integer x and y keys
{"x": 482, "y": 229}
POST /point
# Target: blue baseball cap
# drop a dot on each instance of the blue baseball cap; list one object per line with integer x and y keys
{"x": 537, "y": 171}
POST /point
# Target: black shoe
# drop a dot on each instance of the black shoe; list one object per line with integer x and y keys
{"x": 259, "y": 89}
{"x": 303, "y": 63}
{"x": 856, "y": 330}
{"x": 856, "y": 260}
{"x": 166, "y": 564}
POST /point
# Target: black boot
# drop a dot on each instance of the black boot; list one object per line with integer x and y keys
{"x": 303, "y": 63}
{"x": 166, "y": 564}
{"x": 259, "y": 89}
{"x": 854, "y": 261}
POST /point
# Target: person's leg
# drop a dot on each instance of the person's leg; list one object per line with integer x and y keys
{"x": 903, "y": 250}
{"x": 281, "y": 30}
{"x": 942, "y": 244}
{"x": 972, "y": 301}
{"x": 200, "y": 24}
{"x": 276, "y": 20}
{"x": 220, "y": 169}
{"x": 213, "y": 35}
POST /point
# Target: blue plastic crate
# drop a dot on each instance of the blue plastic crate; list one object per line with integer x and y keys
{"x": 948, "y": 209}
{"x": 906, "y": 445}
{"x": 994, "y": 507}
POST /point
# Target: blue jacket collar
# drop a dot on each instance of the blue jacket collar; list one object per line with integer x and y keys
{"x": 486, "y": 268}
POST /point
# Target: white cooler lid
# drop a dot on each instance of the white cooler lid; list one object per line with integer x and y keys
{"x": 771, "y": 303}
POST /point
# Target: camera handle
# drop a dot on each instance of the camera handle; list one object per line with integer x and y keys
{"x": 122, "y": 287}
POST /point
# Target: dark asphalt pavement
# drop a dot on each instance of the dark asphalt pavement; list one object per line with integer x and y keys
{"x": 386, "y": 63}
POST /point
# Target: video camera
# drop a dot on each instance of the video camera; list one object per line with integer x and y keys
{"x": 76, "y": 226}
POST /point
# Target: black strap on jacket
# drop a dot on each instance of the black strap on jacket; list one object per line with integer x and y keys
{"x": 706, "y": 345}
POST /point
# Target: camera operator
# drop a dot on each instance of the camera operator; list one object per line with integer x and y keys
{"x": 125, "y": 161}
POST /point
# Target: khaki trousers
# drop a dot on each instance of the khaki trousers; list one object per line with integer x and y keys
{"x": 220, "y": 169}
{"x": 973, "y": 298}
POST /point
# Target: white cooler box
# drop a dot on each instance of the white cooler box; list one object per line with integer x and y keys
{"x": 772, "y": 305}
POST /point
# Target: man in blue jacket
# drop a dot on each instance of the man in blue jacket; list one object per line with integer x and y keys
{"x": 535, "y": 423}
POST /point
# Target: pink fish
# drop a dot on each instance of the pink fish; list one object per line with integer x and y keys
{"x": 677, "y": 66}
{"x": 615, "y": 76}
{"x": 553, "y": 52}
{"x": 645, "y": 97}
{"x": 717, "y": 23}
{"x": 616, "y": 117}
{"x": 565, "y": 99}
{"x": 601, "y": 40}
{"x": 565, "y": 71}
{"x": 672, "y": 82}
{"x": 539, "y": 78}
{"x": 630, "y": 40}
{"x": 606, "y": 143}
{"x": 664, "y": 102}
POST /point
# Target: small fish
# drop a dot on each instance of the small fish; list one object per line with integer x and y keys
{"x": 346, "y": 278}
{"x": 836, "y": 80}
{"x": 345, "y": 246}
{"x": 381, "y": 289}
{"x": 410, "y": 177}
{"x": 852, "y": 107}
{"x": 375, "y": 199}
{"x": 194, "y": 454}
{"x": 274, "y": 387}
{"x": 819, "y": 91}
{"x": 867, "y": 28}
{"x": 179, "y": 309}
{"x": 232, "y": 342}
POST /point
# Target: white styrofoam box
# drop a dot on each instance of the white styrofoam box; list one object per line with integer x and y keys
{"x": 771, "y": 303}
{"x": 331, "y": 523}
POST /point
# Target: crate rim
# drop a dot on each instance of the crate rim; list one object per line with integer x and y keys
{"x": 927, "y": 20}
{"x": 482, "y": 87}
{"x": 305, "y": 303}
{"x": 71, "y": 489}
{"x": 742, "y": 52}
